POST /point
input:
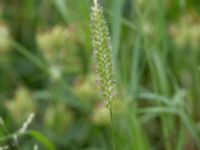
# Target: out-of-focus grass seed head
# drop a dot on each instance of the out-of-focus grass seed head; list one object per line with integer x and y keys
{"x": 102, "y": 52}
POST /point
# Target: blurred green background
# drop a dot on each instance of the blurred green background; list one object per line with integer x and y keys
{"x": 46, "y": 67}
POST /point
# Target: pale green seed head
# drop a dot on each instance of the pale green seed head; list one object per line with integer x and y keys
{"x": 102, "y": 52}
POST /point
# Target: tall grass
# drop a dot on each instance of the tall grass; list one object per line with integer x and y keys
{"x": 103, "y": 58}
{"x": 155, "y": 56}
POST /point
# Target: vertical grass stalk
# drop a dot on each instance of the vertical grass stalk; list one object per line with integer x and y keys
{"x": 101, "y": 43}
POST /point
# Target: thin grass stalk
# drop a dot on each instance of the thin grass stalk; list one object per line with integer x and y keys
{"x": 101, "y": 43}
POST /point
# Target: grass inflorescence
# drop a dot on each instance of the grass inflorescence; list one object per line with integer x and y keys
{"x": 102, "y": 52}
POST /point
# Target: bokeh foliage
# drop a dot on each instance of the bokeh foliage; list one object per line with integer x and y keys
{"x": 47, "y": 67}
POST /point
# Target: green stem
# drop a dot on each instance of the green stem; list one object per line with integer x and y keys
{"x": 112, "y": 126}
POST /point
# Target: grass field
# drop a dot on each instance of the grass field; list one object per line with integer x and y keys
{"x": 49, "y": 95}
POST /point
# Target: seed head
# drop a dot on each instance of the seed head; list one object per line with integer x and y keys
{"x": 102, "y": 52}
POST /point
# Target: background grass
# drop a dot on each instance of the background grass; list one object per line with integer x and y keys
{"x": 46, "y": 67}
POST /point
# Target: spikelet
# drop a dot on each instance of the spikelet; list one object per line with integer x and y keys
{"x": 102, "y": 52}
